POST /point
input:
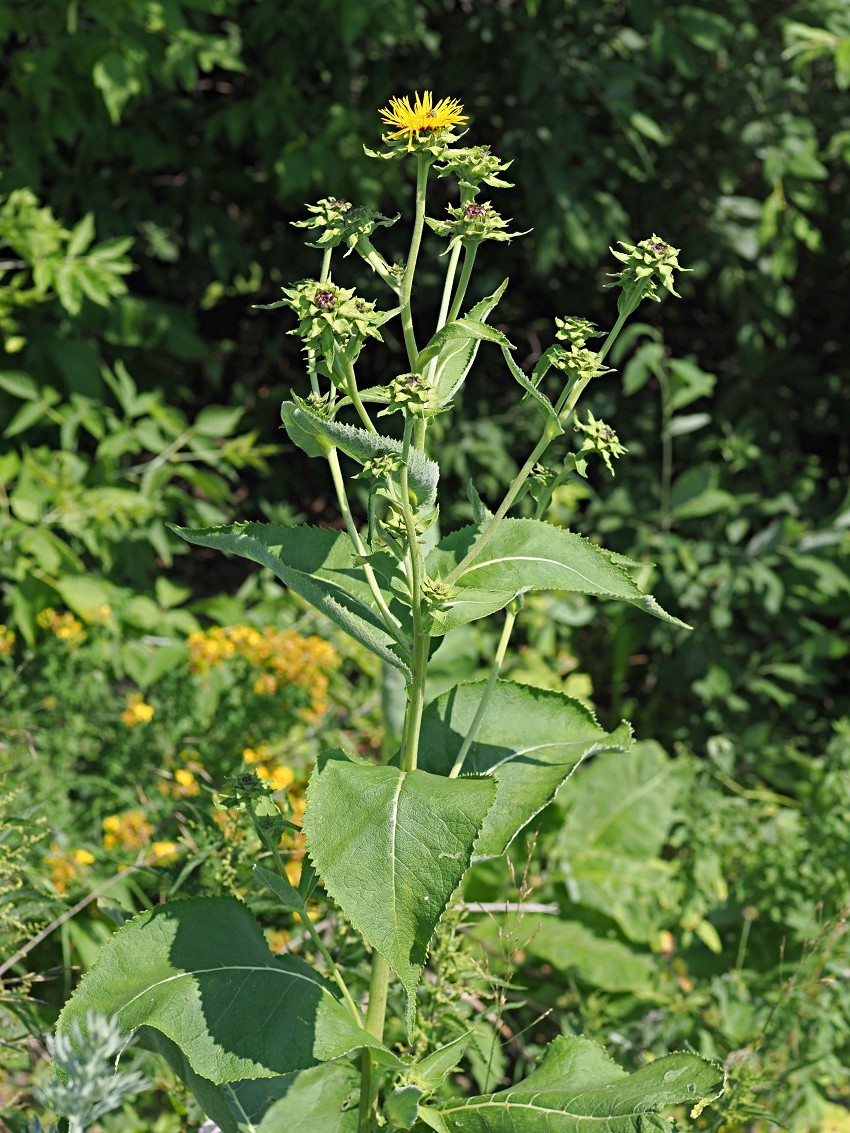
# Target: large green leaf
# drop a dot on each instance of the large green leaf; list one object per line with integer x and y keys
{"x": 454, "y": 346}
{"x": 392, "y": 847}
{"x": 324, "y": 1097}
{"x": 315, "y": 436}
{"x": 597, "y": 961}
{"x": 577, "y": 1087}
{"x": 530, "y": 739}
{"x": 617, "y": 820}
{"x": 200, "y": 971}
{"x": 322, "y": 567}
{"x": 523, "y": 555}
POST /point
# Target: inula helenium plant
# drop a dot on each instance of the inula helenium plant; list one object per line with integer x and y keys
{"x": 269, "y": 1042}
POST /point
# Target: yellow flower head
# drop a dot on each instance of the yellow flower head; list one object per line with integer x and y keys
{"x": 136, "y": 712}
{"x": 164, "y": 853}
{"x": 425, "y": 116}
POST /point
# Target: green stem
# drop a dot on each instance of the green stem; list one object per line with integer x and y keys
{"x": 354, "y": 394}
{"x": 470, "y": 252}
{"x": 451, "y": 268}
{"x": 376, "y": 1014}
{"x": 376, "y": 262}
{"x": 512, "y": 493}
{"x": 498, "y": 661}
{"x": 416, "y": 696}
{"x": 390, "y": 620}
{"x": 324, "y": 274}
{"x": 422, "y": 167}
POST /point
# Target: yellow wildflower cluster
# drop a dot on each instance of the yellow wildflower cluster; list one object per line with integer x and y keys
{"x": 136, "y": 712}
{"x": 129, "y": 830}
{"x": 64, "y": 626}
{"x": 285, "y": 658}
{"x": 183, "y": 782}
{"x": 259, "y": 759}
{"x": 164, "y": 853}
{"x": 7, "y": 641}
{"x": 66, "y": 866}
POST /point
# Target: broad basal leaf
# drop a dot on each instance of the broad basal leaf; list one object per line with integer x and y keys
{"x": 319, "y": 565}
{"x": 200, "y": 971}
{"x": 392, "y": 847}
{"x": 523, "y": 555}
{"x": 530, "y": 740}
{"x": 618, "y": 817}
{"x": 577, "y": 1087}
{"x": 315, "y": 435}
{"x": 322, "y": 1098}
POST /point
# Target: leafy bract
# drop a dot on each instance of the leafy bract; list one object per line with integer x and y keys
{"x": 453, "y": 348}
{"x": 523, "y": 555}
{"x": 316, "y": 436}
{"x": 577, "y": 1087}
{"x": 529, "y": 739}
{"x": 200, "y": 971}
{"x": 392, "y": 846}
{"x": 319, "y": 565}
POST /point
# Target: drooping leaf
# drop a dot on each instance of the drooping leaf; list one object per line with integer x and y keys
{"x": 596, "y": 961}
{"x": 315, "y": 436}
{"x": 529, "y": 739}
{"x": 577, "y": 1087}
{"x": 392, "y": 846}
{"x": 524, "y": 555}
{"x": 324, "y": 1097}
{"x": 531, "y": 388}
{"x": 199, "y": 970}
{"x": 319, "y": 565}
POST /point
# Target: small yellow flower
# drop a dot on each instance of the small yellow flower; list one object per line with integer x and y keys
{"x": 65, "y": 627}
{"x": 164, "y": 853}
{"x": 136, "y": 712}
{"x": 256, "y": 754}
{"x": 425, "y": 116}
{"x": 130, "y": 830}
{"x": 66, "y": 866}
{"x": 7, "y": 641}
{"x": 277, "y": 938}
{"x": 293, "y": 872}
{"x": 265, "y": 685}
{"x": 186, "y": 784}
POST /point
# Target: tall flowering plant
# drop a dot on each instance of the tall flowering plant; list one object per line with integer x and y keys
{"x": 267, "y": 1042}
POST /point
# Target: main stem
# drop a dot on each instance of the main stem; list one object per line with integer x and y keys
{"x": 422, "y": 167}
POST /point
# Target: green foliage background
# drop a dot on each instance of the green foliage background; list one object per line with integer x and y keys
{"x": 182, "y": 138}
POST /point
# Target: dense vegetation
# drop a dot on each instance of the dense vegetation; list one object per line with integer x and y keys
{"x": 154, "y": 155}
